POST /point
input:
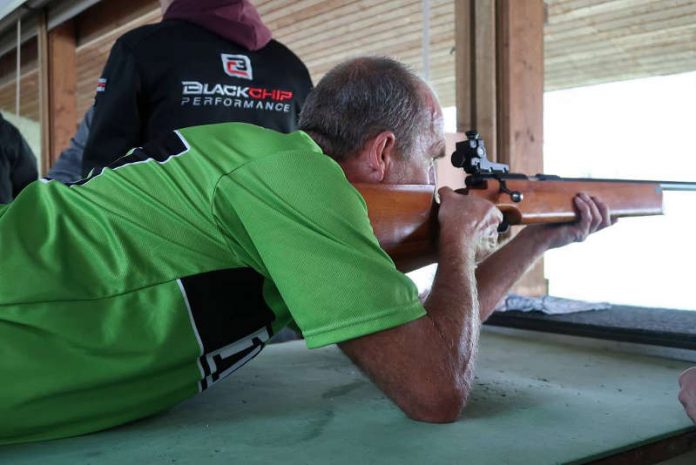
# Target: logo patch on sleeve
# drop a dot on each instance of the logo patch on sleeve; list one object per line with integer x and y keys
{"x": 101, "y": 85}
{"x": 238, "y": 66}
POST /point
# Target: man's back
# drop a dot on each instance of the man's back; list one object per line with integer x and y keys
{"x": 140, "y": 286}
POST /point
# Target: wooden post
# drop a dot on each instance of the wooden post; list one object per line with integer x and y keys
{"x": 44, "y": 105}
{"x": 521, "y": 79}
{"x": 475, "y": 68}
{"x": 500, "y": 83}
{"x": 62, "y": 87}
{"x": 485, "y": 99}
{"x": 57, "y": 87}
{"x": 521, "y": 98}
{"x": 463, "y": 69}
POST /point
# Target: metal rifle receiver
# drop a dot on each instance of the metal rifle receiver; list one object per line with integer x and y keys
{"x": 471, "y": 155}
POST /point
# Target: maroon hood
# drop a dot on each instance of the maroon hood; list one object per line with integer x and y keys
{"x": 235, "y": 20}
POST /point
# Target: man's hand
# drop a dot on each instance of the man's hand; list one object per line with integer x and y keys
{"x": 499, "y": 272}
{"x": 469, "y": 220}
{"x": 593, "y": 216}
{"x": 687, "y": 393}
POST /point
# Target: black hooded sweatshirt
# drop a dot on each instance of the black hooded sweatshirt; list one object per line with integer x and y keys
{"x": 188, "y": 72}
{"x": 17, "y": 162}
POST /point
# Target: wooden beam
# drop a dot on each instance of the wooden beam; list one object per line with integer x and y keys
{"x": 463, "y": 69}
{"x": 485, "y": 99}
{"x": 475, "y": 69}
{"x": 521, "y": 99}
{"x": 44, "y": 104}
{"x": 521, "y": 79}
{"x": 62, "y": 87}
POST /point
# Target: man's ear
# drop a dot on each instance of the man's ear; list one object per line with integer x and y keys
{"x": 381, "y": 154}
{"x": 374, "y": 161}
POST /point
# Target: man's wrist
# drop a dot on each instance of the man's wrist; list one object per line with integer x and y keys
{"x": 462, "y": 244}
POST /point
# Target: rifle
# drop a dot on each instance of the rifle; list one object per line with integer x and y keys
{"x": 404, "y": 217}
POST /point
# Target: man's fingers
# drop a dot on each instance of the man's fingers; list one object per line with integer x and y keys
{"x": 584, "y": 223}
{"x": 596, "y": 215}
{"x": 604, "y": 212}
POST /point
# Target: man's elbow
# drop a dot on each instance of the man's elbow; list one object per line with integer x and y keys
{"x": 442, "y": 406}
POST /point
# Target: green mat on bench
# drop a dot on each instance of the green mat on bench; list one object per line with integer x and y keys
{"x": 535, "y": 402}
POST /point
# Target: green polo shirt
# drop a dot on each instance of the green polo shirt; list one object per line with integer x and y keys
{"x": 149, "y": 281}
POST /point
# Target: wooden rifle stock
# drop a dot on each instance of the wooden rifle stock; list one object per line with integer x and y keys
{"x": 404, "y": 217}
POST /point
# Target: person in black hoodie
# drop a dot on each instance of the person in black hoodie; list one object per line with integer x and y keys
{"x": 208, "y": 61}
{"x": 17, "y": 162}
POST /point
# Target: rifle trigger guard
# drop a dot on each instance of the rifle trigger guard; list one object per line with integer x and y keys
{"x": 515, "y": 196}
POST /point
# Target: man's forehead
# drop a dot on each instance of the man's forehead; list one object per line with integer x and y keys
{"x": 433, "y": 107}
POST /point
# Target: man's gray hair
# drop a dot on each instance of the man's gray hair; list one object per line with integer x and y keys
{"x": 360, "y": 98}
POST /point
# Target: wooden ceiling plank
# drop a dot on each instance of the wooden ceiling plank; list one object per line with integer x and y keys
{"x": 622, "y": 26}
{"x": 336, "y": 26}
{"x": 603, "y": 9}
{"x": 630, "y": 51}
{"x": 683, "y": 62}
{"x": 278, "y": 9}
{"x": 682, "y": 36}
{"x": 393, "y": 47}
{"x": 380, "y": 39}
{"x": 364, "y": 21}
{"x": 315, "y": 8}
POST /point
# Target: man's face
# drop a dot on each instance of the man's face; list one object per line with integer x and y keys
{"x": 419, "y": 168}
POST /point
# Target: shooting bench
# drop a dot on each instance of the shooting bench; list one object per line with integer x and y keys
{"x": 536, "y": 401}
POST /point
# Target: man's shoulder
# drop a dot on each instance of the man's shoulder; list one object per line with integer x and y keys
{"x": 255, "y": 147}
{"x": 249, "y": 136}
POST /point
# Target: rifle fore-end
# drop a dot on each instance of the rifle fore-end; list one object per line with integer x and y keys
{"x": 404, "y": 217}
{"x": 552, "y": 201}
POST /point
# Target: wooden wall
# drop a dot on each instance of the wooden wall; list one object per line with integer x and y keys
{"x": 29, "y": 91}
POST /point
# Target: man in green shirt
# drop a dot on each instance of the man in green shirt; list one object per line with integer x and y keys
{"x": 152, "y": 279}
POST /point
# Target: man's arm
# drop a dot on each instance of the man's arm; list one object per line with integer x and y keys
{"x": 117, "y": 120}
{"x": 68, "y": 167}
{"x": 426, "y": 366}
{"x": 687, "y": 392}
{"x": 499, "y": 272}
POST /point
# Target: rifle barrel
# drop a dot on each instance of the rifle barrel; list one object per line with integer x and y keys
{"x": 678, "y": 186}
{"x": 664, "y": 185}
